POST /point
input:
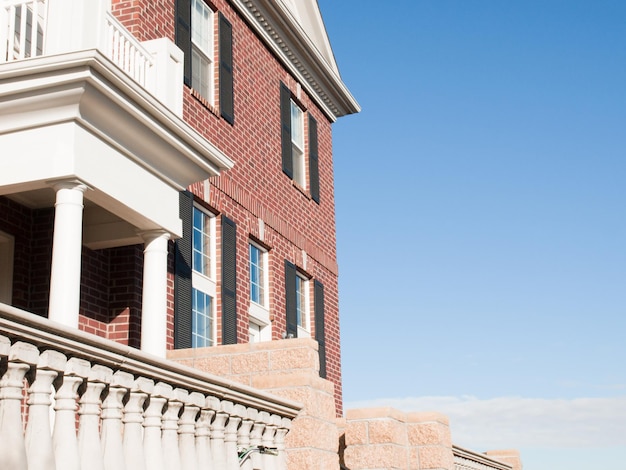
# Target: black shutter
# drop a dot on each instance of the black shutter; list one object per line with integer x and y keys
{"x": 314, "y": 174}
{"x": 182, "y": 276}
{"x": 320, "y": 335}
{"x": 183, "y": 34}
{"x": 226, "y": 70}
{"x": 285, "y": 126}
{"x": 290, "y": 299}
{"x": 229, "y": 281}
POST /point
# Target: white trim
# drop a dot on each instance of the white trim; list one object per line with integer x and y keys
{"x": 304, "y": 330}
{"x": 7, "y": 250}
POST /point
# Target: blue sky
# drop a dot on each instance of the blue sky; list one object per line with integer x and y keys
{"x": 481, "y": 219}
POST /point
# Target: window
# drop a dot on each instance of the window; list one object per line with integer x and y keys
{"x": 203, "y": 279}
{"x": 259, "y": 305}
{"x": 195, "y": 36}
{"x": 302, "y": 304}
{"x": 294, "y": 154}
{"x": 297, "y": 302}
{"x": 297, "y": 144}
{"x": 202, "y": 49}
{"x": 258, "y": 278}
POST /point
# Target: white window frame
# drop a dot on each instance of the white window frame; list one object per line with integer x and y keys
{"x": 7, "y": 248}
{"x": 203, "y": 49}
{"x": 298, "y": 157}
{"x": 259, "y": 312}
{"x": 203, "y": 280}
{"x": 303, "y": 305}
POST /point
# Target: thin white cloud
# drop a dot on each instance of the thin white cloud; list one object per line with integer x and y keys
{"x": 515, "y": 422}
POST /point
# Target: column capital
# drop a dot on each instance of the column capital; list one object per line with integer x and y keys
{"x": 70, "y": 183}
{"x": 151, "y": 235}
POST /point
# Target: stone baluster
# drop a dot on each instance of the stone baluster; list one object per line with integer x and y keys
{"x": 269, "y": 459}
{"x": 112, "y": 414}
{"x": 171, "y": 451}
{"x": 243, "y": 435}
{"x": 281, "y": 433}
{"x": 203, "y": 438}
{"x": 230, "y": 436}
{"x": 133, "y": 420}
{"x": 39, "y": 451}
{"x": 153, "y": 422}
{"x": 256, "y": 437}
{"x": 64, "y": 440}
{"x": 89, "y": 445}
{"x": 223, "y": 410}
{"x": 21, "y": 356}
{"x": 187, "y": 431}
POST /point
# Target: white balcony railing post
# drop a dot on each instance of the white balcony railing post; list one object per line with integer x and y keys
{"x": 218, "y": 427}
{"x": 89, "y": 445}
{"x": 39, "y": 451}
{"x": 203, "y": 437}
{"x": 171, "y": 451}
{"x": 256, "y": 438}
{"x": 230, "y": 437}
{"x": 152, "y": 441}
{"x": 112, "y": 414}
{"x": 166, "y": 80}
{"x": 243, "y": 434}
{"x": 281, "y": 433}
{"x": 75, "y": 25}
{"x": 21, "y": 357}
{"x": 64, "y": 439}
{"x": 269, "y": 459}
{"x": 133, "y": 423}
{"x": 187, "y": 431}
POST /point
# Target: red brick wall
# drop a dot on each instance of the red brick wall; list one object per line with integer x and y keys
{"x": 256, "y": 187}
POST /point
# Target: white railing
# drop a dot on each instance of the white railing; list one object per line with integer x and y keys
{"x": 31, "y": 28}
{"x": 74, "y": 401}
{"x": 22, "y": 24}
{"x": 126, "y": 52}
{"x": 465, "y": 459}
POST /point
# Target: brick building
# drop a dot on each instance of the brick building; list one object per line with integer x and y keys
{"x": 250, "y": 233}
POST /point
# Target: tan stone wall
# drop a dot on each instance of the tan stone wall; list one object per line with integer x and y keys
{"x": 287, "y": 368}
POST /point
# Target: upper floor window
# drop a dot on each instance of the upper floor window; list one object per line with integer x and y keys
{"x": 203, "y": 229}
{"x": 195, "y": 36}
{"x": 202, "y": 49}
{"x": 299, "y": 163}
{"x": 297, "y": 145}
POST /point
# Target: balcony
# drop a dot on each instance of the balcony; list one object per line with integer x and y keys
{"x": 75, "y": 401}
{"x": 34, "y": 28}
{"x": 91, "y": 124}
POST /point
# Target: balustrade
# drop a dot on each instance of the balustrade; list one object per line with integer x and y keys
{"x": 115, "y": 408}
{"x": 465, "y": 459}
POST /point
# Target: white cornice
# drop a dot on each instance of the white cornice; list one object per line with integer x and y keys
{"x": 286, "y": 38}
{"x": 85, "y": 87}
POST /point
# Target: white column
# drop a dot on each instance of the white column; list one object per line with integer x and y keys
{"x": 154, "y": 297}
{"x": 66, "y": 253}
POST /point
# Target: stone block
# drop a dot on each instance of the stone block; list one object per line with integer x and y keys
{"x": 387, "y": 431}
{"x": 436, "y": 458}
{"x": 311, "y": 459}
{"x": 250, "y": 363}
{"x": 382, "y": 456}
{"x": 356, "y": 433}
{"x": 312, "y": 432}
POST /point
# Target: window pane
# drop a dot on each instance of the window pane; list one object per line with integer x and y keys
{"x": 201, "y": 242}
{"x": 202, "y": 320}
{"x": 257, "y": 275}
